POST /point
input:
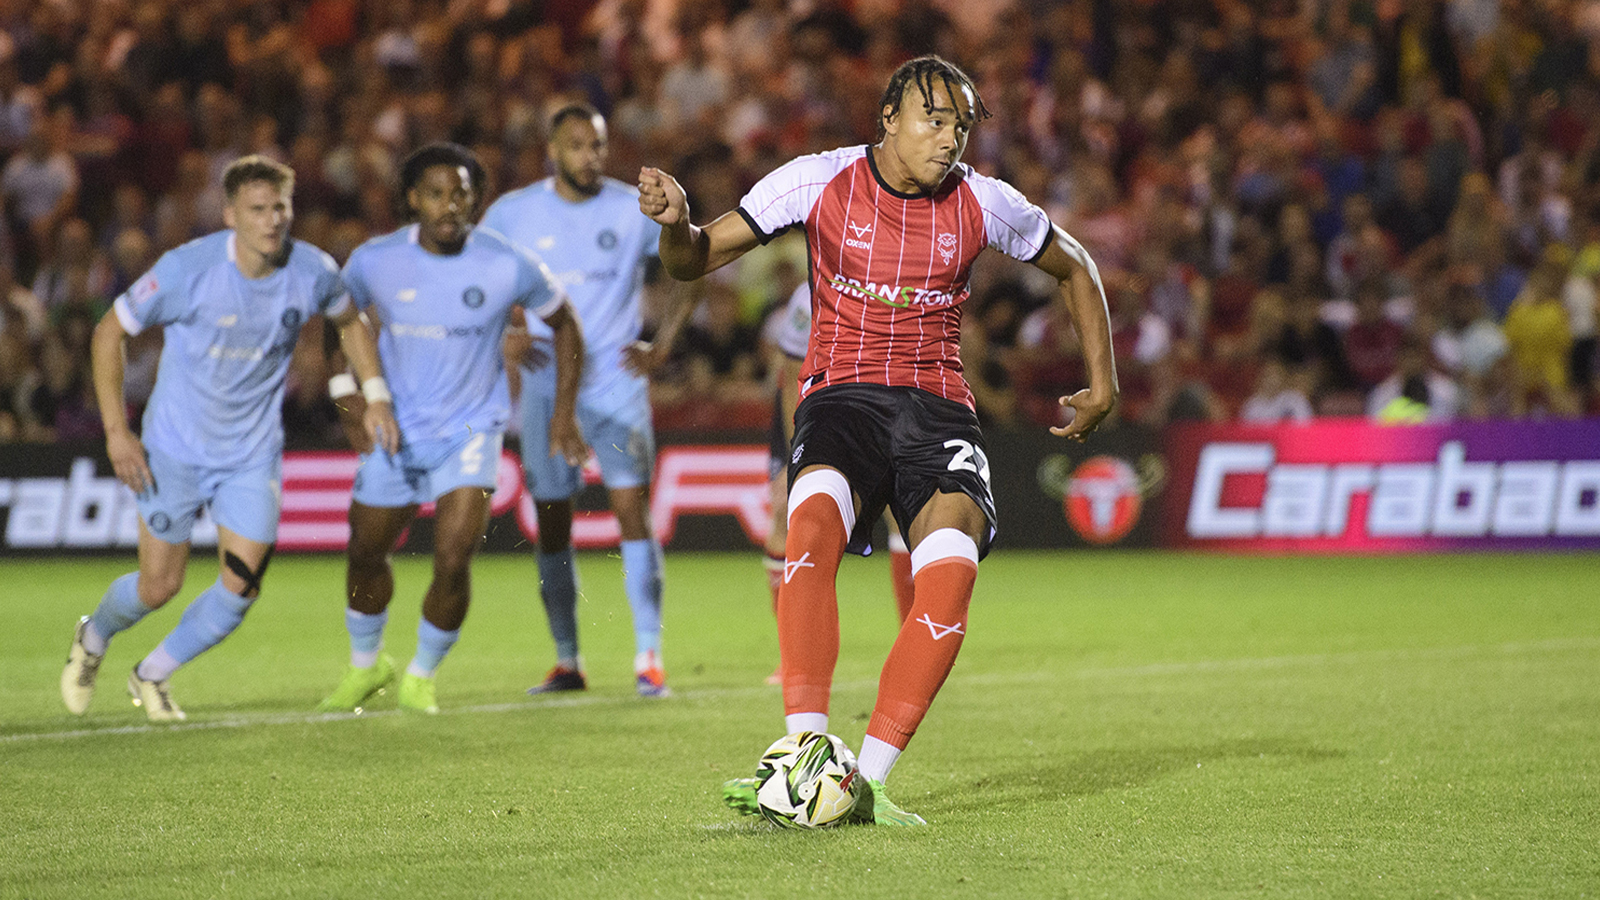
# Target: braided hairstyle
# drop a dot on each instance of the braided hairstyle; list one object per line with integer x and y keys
{"x": 440, "y": 153}
{"x": 924, "y": 72}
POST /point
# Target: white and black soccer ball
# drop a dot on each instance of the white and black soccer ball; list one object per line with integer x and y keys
{"x": 807, "y": 780}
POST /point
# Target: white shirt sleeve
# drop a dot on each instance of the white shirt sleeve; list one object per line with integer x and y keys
{"x": 1013, "y": 225}
{"x": 787, "y": 194}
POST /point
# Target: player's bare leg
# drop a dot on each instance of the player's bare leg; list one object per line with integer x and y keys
{"x": 944, "y": 536}
{"x": 369, "y": 586}
{"x": 130, "y": 598}
{"x": 369, "y": 579}
{"x": 460, "y": 518}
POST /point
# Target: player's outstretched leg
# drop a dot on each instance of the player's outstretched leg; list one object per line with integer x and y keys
{"x": 208, "y": 619}
{"x": 945, "y": 566}
{"x": 119, "y": 610}
{"x": 821, "y": 514}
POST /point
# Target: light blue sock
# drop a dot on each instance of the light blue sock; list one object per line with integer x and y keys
{"x": 641, "y": 577}
{"x": 558, "y": 588}
{"x": 433, "y": 643}
{"x": 119, "y": 610}
{"x": 211, "y": 617}
{"x": 366, "y": 636}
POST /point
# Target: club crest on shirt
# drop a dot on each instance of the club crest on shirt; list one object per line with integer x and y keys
{"x": 947, "y": 247}
{"x": 472, "y": 297}
{"x": 607, "y": 240}
{"x": 291, "y": 318}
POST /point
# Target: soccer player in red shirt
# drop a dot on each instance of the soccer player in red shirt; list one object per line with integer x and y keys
{"x": 885, "y": 417}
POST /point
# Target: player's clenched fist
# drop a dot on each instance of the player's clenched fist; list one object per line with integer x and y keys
{"x": 661, "y": 197}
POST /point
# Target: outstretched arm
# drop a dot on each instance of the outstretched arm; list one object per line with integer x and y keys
{"x": 1085, "y": 297}
{"x": 689, "y": 251}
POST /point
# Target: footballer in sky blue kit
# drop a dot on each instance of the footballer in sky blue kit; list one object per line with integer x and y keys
{"x": 231, "y": 305}
{"x": 441, "y": 292}
{"x": 589, "y": 229}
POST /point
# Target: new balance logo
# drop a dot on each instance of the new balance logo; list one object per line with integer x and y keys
{"x": 938, "y": 631}
{"x": 789, "y": 568}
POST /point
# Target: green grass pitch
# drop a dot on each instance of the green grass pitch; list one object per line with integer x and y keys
{"x": 1118, "y": 725}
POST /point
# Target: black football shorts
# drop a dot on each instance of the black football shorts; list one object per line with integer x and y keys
{"x": 897, "y": 447}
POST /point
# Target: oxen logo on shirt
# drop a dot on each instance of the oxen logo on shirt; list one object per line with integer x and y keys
{"x": 472, "y": 297}
{"x": 861, "y": 231}
{"x": 947, "y": 247}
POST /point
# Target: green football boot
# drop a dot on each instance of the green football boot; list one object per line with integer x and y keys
{"x": 740, "y": 795}
{"x": 358, "y": 685}
{"x": 874, "y": 807}
{"x": 416, "y": 694}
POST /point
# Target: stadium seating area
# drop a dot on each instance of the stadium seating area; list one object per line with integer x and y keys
{"x": 1385, "y": 208}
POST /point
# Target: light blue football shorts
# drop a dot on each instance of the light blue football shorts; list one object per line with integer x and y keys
{"x": 623, "y": 441}
{"x": 244, "y": 501}
{"x": 424, "y": 471}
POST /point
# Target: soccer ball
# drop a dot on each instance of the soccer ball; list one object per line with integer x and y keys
{"x": 807, "y": 780}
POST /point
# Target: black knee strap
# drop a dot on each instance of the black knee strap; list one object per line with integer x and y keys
{"x": 252, "y": 580}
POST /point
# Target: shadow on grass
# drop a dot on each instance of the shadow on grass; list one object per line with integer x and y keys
{"x": 1101, "y": 771}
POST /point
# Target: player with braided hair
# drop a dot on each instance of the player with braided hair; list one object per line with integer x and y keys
{"x": 885, "y": 417}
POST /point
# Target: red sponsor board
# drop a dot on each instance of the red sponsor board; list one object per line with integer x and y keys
{"x": 690, "y": 480}
{"x": 1350, "y": 486}
{"x": 66, "y": 500}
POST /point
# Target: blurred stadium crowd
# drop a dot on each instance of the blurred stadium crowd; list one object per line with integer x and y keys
{"x": 1330, "y": 207}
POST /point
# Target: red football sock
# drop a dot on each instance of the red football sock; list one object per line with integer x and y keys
{"x": 808, "y": 604}
{"x": 904, "y": 585}
{"x": 926, "y": 649}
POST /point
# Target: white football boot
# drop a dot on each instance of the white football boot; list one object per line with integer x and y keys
{"x": 77, "y": 679}
{"x": 155, "y": 697}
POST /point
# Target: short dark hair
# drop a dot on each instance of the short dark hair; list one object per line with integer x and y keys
{"x": 575, "y": 110}
{"x": 256, "y": 167}
{"x": 922, "y": 72}
{"x": 441, "y": 153}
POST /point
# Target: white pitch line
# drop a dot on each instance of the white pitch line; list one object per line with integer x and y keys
{"x": 245, "y": 720}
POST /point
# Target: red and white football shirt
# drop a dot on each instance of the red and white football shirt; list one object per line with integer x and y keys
{"x": 889, "y": 270}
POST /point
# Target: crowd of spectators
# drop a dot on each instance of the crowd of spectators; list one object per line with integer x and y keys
{"x": 1387, "y": 208}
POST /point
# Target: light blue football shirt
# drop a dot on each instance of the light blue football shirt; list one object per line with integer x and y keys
{"x": 442, "y": 319}
{"x": 218, "y": 398}
{"x": 599, "y": 249}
